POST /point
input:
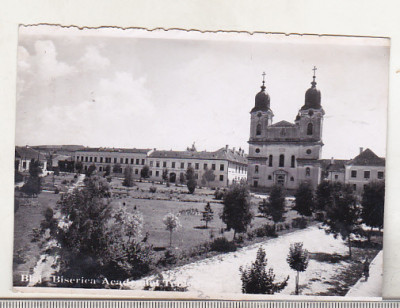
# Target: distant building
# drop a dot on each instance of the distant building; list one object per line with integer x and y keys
{"x": 24, "y": 156}
{"x": 113, "y": 157}
{"x": 365, "y": 168}
{"x": 284, "y": 153}
{"x": 227, "y": 165}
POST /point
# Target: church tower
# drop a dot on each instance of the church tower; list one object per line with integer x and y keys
{"x": 285, "y": 154}
{"x": 310, "y": 116}
{"x": 261, "y": 114}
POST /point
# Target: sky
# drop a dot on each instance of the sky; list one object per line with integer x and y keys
{"x": 166, "y": 90}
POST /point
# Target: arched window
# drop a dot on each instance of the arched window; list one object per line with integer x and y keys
{"x": 270, "y": 161}
{"x": 281, "y": 160}
{"x": 309, "y": 129}
{"x": 258, "y": 129}
{"x": 292, "y": 161}
{"x": 256, "y": 169}
{"x": 308, "y": 171}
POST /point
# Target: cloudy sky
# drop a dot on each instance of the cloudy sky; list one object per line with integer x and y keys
{"x": 165, "y": 90}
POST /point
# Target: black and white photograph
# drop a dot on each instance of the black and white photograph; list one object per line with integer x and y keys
{"x": 199, "y": 163}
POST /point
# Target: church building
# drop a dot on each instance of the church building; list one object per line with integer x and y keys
{"x": 285, "y": 153}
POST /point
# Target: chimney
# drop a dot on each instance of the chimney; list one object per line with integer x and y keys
{"x": 233, "y": 149}
{"x": 332, "y": 161}
{"x": 361, "y": 149}
{"x": 227, "y": 147}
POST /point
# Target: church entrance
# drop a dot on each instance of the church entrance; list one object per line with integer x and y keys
{"x": 172, "y": 177}
{"x": 280, "y": 178}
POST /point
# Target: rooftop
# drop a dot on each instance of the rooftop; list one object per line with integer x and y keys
{"x": 367, "y": 158}
{"x": 118, "y": 150}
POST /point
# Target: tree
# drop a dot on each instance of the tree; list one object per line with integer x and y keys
{"x": 145, "y": 172}
{"x": 78, "y": 166}
{"x": 297, "y": 260}
{"x": 304, "y": 203}
{"x": 107, "y": 170}
{"x": 34, "y": 168}
{"x": 91, "y": 169}
{"x": 165, "y": 174}
{"x": 236, "y": 213}
{"x": 117, "y": 168}
{"x": 342, "y": 216}
{"x": 171, "y": 223}
{"x": 128, "y": 177}
{"x": 257, "y": 280}
{"x": 274, "y": 208}
{"x": 372, "y": 205}
{"x": 208, "y": 214}
{"x": 323, "y": 196}
{"x": 190, "y": 180}
{"x": 97, "y": 240}
{"x": 208, "y": 176}
{"x": 34, "y": 184}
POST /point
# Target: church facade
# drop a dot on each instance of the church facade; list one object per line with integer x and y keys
{"x": 284, "y": 153}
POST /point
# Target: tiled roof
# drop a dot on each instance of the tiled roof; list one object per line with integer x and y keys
{"x": 283, "y": 124}
{"x": 28, "y": 153}
{"x": 367, "y": 158}
{"x": 221, "y": 154}
{"x": 119, "y": 150}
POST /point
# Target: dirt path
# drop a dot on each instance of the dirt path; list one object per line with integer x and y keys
{"x": 373, "y": 286}
{"x": 221, "y": 274}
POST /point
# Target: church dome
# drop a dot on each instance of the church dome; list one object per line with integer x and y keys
{"x": 262, "y": 101}
{"x": 313, "y": 97}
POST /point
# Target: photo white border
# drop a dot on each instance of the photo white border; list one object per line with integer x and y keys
{"x": 360, "y": 18}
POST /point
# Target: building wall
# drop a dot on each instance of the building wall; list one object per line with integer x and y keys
{"x": 224, "y": 171}
{"x": 294, "y": 174}
{"x": 134, "y": 160}
{"x": 360, "y": 180}
{"x": 336, "y": 176}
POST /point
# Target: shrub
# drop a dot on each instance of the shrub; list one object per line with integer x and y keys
{"x": 257, "y": 280}
{"x": 109, "y": 179}
{"x": 299, "y": 222}
{"x": 221, "y": 244}
{"x": 64, "y": 182}
{"x": 287, "y": 226}
{"x": 75, "y": 176}
{"x": 56, "y": 191}
{"x": 219, "y": 194}
{"x": 266, "y": 230}
{"x": 168, "y": 258}
{"x": 319, "y": 216}
{"x": 152, "y": 189}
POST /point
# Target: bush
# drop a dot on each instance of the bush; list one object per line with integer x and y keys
{"x": 219, "y": 194}
{"x": 168, "y": 258}
{"x": 265, "y": 230}
{"x": 299, "y": 222}
{"x": 75, "y": 176}
{"x": 287, "y": 226}
{"x": 64, "y": 182}
{"x": 152, "y": 189}
{"x": 56, "y": 191}
{"x": 319, "y": 216}
{"x": 257, "y": 280}
{"x": 221, "y": 244}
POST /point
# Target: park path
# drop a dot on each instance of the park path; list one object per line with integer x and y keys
{"x": 220, "y": 274}
{"x": 373, "y": 286}
{"x": 46, "y": 265}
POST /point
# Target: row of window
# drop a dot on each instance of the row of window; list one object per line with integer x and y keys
{"x": 367, "y": 174}
{"x": 107, "y": 160}
{"x": 182, "y": 165}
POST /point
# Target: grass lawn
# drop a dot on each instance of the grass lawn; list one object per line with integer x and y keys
{"x": 154, "y": 206}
